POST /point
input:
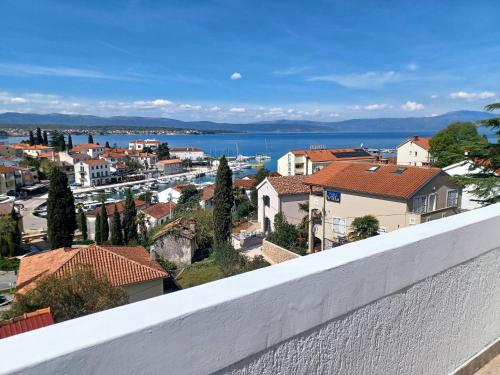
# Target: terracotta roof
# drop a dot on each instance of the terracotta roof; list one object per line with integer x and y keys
{"x": 86, "y": 146}
{"x": 289, "y": 185}
{"x": 185, "y": 149}
{"x": 242, "y": 183}
{"x": 335, "y": 154}
{"x": 120, "y": 206}
{"x": 383, "y": 181}
{"x": 113, "y": 155}
{"x": 207, "y": 192}
{"x": 421, "y": 141}
{"x": 5, "y": 169}
{"x": 26, "y": 322}
{"x": 160, "y": 210}
{"x": 79, "y": 156}
{"x": 95, "y": 162}
{"x": 170, "y": 161}
{"x": 19, "y": 146}
{"x": 177, "y": 225}
{"x": 121, "y": 265}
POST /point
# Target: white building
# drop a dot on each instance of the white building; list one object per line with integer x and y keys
{"x": 72, "y": 157}
{"x": 91, "y": 149}
{"x": 463, "y": 168}
{"x": 191, "y": 153}
{"x": 170, "y": 166}
{"x": 140, "y": 144}
{"x": 172, "y": 194}
{"x": 158, "y": 214}
{"x": 414, "y": 151}
{"x": 93, "y": 172}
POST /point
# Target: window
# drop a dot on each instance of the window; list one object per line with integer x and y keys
{"x": 432, "y": 202}
{"x": 415, "y": 153}
{"x": 420, "y": 204}
{"x": 399, "y": 170}
{"x": 266, "y": 200}
{"x": 373, "y": 168}
{"x": 339, "y": 226}
{"x": 452, "y": 198}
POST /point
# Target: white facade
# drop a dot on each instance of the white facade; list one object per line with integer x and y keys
{"x": 72, "y": 157}
{"x": 187, "y": 153}
{"x": 140, "y": 144}
{"x": 92, "y": 172}
{"x": 91, "y": 149}
{"x": 412, "y": 153}
{"x": 169, "y": 195}
{"x": 172, "y": 166}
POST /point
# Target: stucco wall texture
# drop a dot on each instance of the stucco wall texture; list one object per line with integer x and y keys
{"x": 428, "y": 328}
{"x": 276, "y": 253}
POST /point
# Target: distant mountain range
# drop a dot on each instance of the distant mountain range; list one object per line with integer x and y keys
{"x": 417, "y": 124}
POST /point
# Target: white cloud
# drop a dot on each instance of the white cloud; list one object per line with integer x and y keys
{"x": 376, "y": 107}
{"x": 190, "y": 107}
{"x": 359, "y": 80}
{"x": 238, "y": 110}
{"x": 235, "y": 76}
{"x": 434, "y": 96}
{"x": 215, "y": 109}
{"x": 293, "y": 70}
{"x": 412, "y": 67}
{"x": 161, "y": 102}
{"x": 412, "y": 106}
{"x": 334, "y": 115}
{"x": 472, "y": 95}
{"x": 18, "y": 100}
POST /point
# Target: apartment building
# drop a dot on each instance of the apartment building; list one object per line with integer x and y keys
{"x": 91, "y": 149}
{"x": 414, "y": 151}
{"x": 170, "y": 166}
{"x": 398, "y": 196}
{"x": 307, "y": 162}
{"x": 72, "y": 157}
{"x": 7, "y": 179}
{"x": 92, "y": 172}
{"x": 187, "y": 153}
{"x": 141, "y": 144}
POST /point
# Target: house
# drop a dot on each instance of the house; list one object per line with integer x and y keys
{"x": 245, "y": 184}
{"x": 171, "y": 194}
{"x": 69, "y": 171}
{"x": 170, "y": 166}
{"x": 146, "y": 159}
{"x": 26, "y": 176}
{"x": 7, "y": 179}
{"x": 398, "y": 196}
{"x": 120, "y": 207}
{"x": 187, "y": 153}
{"x": 92, "y": 172}
{"x": 158, "y": 214}
{"x": 282, "y": 194}
{"x": 207, "y": 196}
{"x": 91, "y": 149}
{"x": 141, "y": 144}
{"x": 26, "y": 322}
{"x": 114, "y": 157}
{"x": 175, "y": 242}
{"x": 72, "y": 157}
{"x": 463, "y": 168}
{"x": 307, "y": 162}
{"x": 39, "y": 151}
{"x": 414, "y": 151}
{"x": 129, "y": 267}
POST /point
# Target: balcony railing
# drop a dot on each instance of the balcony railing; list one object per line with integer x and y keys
{"x": 419, "y": 300}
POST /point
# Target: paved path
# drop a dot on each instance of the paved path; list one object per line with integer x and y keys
{"x": 6, "y": 279}
{"x": 491, "y": 368}
{"x": 31, "y": 222}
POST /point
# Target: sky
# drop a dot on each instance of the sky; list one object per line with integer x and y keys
{"x": 240, "y": 61}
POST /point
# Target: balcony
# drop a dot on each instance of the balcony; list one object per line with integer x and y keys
{"x": 419, "y": 300}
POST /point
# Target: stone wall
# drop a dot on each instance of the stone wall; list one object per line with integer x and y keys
{"x": 275, "y": 253}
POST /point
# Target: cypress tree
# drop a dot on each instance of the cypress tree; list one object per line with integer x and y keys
{"x": 32, "y": 138}
{"x": 62, "y": 142}
{"x": 223, "y": 203}
{"x": 90, "y": 139}
{"x": 45, "y": 138}
{"x": 61, "y": 218}
{"x": 98, "y": 230}
{"x": 107, "y": 145}
{"x": 39, "y": 138}
{"x": 104, "y": 223}
{"x": 82, "y": 223}
{"x": 116, "y": 229}
{"x": 16, "y": 235}
{"x": 129, "y": 225}
{"x": 70, "y": 142}
{"x": 55, "y": 138}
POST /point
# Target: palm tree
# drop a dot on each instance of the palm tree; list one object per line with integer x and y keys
{"x": 142, "y": 222}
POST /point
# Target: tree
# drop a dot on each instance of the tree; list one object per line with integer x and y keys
{"x": 70, "y": 142}
{"x": 189, "y": 199}
{"x": 57, "y": 140}
{"x": 82, "y": 223}
{"x": 90, "y": 138}
{"x": 284, "y": 234}
{"x": 32, "y": 138}
{"x": 259, "y": 177}
{"x": 116, "y": 229}
{"x": 103, "y": 213}
{"x": 363, "y": 227}
{"x": 450, "y": 145}
{"x": 107, "y": 145}
{"x": 8, "y": 232}
{"x": 129, "y": 218}
{"x": 17, "y": 236}
{"x": 223, "y": 202}
{"x": 76, "y": 293}
{"x": 98, "y": 230}
{"x": 45, "y": 138}
{"x": 39, "y": 137}
{"x": 163, "y": 152}
{"x": 61, "y": 218}
{"x": 229, "y": 260}
{"x": 62, "y": 142}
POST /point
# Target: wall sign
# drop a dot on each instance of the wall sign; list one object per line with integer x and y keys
{"x": 333, "y": 196}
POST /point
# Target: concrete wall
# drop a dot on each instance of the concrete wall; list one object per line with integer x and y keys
{"x": 145, "y": 290}
{"x": 420, "y": 300}
{"x": 277, "y": 254}
{"x": 177, "y": 249}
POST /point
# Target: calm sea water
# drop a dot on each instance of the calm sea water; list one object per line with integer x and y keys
{"x": 272, "y": 144}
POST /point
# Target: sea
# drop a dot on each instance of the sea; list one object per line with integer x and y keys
{"x": 250, "y": 144}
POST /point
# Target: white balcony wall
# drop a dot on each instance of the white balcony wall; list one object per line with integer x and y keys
{"x": 420, "y": 300}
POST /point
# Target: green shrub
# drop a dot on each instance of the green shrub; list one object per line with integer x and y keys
{"x": 9, "y": 264}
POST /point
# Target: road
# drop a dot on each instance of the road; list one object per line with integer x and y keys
{"x": 31, "y": 222}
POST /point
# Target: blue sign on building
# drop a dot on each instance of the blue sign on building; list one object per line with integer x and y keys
{"x": 333, "y": 196}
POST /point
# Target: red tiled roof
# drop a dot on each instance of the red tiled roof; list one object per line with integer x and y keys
{"x": 5, "y": 169}
{"x": 26, "y": 322}
{"x": 120, "y": 207}
{"x": 113, "y": 155}
{"x": 289, "y": 185}
{"x": 178, "y": 225}
{"x": 160, "y": 210}
{"x": 242, "y": 183}
{"x": 86, "y": 146}
{"x": 334, "y": 154}
{"x": 170, "y": 161}
{"x": 421, "y": 141}
{"x": 95, "y": 162}
{"x": 383, "y": 181}
{"x": 207, "y": 192}
{"x": 121, "y": 265}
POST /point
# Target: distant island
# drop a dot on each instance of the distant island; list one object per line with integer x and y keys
{"x": 22, "y": 122}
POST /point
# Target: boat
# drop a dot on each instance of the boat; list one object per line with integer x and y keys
{"x": 136, "y": 187}
{"x": 257, "y": 166}
{"x": 81, "y": 196}
{"x": 108, "y": 191}
{"x": 261, "y": 157}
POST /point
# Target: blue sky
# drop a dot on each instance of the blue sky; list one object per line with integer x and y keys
{"x": 229, "y": 60}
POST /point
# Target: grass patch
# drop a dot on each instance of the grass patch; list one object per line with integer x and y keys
{"x": 9, "y": 264}
{"x": 199, "y": 273}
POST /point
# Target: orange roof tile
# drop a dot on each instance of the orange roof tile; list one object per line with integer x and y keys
{"x": 160, "y": 210}
{"x": 120, "y": 207}
{"x": 26, "y": 322}
{"x": 5, "y": 169}
{"x": 178, "y": 225}
{"x": 170, "y": 161}
{"x": 243, "y": 183}
{"x": 289, "y": 185}
{"x": 383, "y": 181}
{"x": 421, "y": 141}
{"x": 121, "y": 265}
{"x": 86, "y": 146}
{"x": 95, "y": 162}
{"x": 207, "y": 192}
